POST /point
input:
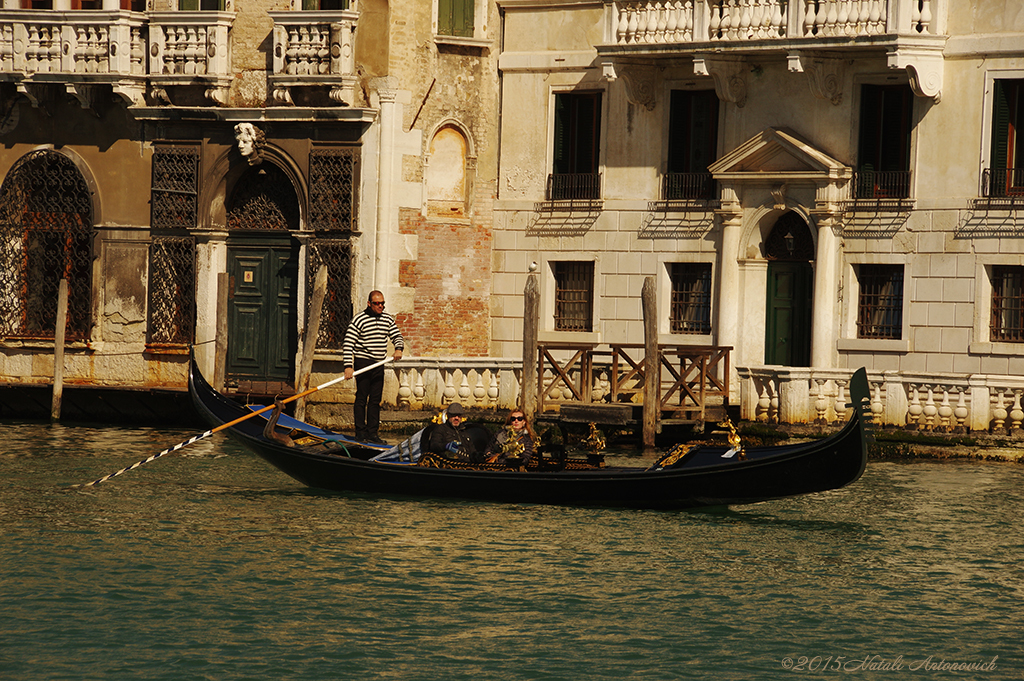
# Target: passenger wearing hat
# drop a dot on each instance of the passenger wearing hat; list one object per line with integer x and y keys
{"x": 450, "y": 438}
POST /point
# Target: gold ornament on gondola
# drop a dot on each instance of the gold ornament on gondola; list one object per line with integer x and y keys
{"x": 734, "y": 438}
{"x": 512, "y": 448}
{"x": 594, "y": 443}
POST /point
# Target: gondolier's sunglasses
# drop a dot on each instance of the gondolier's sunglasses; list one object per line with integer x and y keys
{"x": 377, "y": 302}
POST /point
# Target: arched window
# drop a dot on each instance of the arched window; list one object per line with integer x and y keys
{"x": 46, "y": 231}
{"x": 447, "y": 174}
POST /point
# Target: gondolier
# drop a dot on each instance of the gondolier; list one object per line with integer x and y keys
{"x": 366, "y": 342}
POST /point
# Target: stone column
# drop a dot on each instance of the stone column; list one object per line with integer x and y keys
{"x": 825, "y": 313}
{"x": 388, "y": 175}
{"x": 729, "y": 312}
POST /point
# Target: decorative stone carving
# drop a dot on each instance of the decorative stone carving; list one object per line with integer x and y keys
{"x": 730, "y": 77}
{"x": 924, "y": 65}
{"x": 640, "y": 86}
{"x": 250, "y": 142}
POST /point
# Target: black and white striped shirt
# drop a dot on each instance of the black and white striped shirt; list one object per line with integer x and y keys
{"x": 367, "y": 337}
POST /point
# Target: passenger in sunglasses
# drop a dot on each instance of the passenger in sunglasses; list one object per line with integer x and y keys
{"x": 514, "y": 443}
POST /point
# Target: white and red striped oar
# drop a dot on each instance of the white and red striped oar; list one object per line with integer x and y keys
{"x": 222, "y": 426}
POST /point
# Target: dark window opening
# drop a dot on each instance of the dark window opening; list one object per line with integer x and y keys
{"x": 883, "y": 155}
{"x": 692, "y": 145}
{"x": 577, "y": 133}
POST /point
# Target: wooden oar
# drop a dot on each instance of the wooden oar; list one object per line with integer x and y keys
{"x": 222, "y": 426}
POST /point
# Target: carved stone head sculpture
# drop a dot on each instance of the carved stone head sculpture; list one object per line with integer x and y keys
{"x": 250, "y": 142}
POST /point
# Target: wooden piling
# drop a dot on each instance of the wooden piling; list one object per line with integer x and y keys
{"x": 652, "y": 362}
{"x": 221, "y": 344}
{"x": 58, "y": 350}
{"x": 531, "y": 321}
{"x": 316, "y": 307}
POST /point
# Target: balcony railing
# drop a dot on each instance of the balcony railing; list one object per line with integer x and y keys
{"x": 574, "y": 187}
{"x": 689, "y": 187}
{"x": 665, "y": 21}
{"x": 89, "y": 43}
{"x": 314, "y": 49}
{"x": 1003, "y": 183}
{"x": 872, "y": 184}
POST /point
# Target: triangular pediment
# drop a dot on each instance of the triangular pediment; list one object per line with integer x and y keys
{"x": 779, "y": 153}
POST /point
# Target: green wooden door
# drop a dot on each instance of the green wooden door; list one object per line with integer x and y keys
{"x": 262, "y": 338}
{"x": 788, "y": 317}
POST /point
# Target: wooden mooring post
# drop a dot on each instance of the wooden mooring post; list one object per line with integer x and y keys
{"x": 58, "y": 350}
{"x": 652, "y": 362}
{"x": 309, "y": 339}
{"x": 531, "y": 321}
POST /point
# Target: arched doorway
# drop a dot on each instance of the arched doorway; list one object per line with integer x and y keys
{"x": 789, "y": 250}
{"x": 46, "y": 235}
{"x": 263, "y": 270}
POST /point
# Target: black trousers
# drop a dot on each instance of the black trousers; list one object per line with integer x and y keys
{"x": 369, "y": 390}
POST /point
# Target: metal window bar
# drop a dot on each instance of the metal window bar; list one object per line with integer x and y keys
{"x": 171, "y": 291}
{"x": 1002, "y": 182}
{"x": 1007, "y": 304}
{"x": 880, "y": 306}
{"x": 174, "y": 187}
{"x": 337, "y": 312}
{"x": 878, "y": 184}
{"x": 574, "y": 186}
{"x": 333, "y": 174}
{"x": 574, "y": 296}
{"x": 690, "y": 309}
{"x": 47, "y": 234}
{"x": 688, "y": 187}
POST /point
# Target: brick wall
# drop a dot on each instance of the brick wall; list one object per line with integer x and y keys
{"x": 452, "y": 278}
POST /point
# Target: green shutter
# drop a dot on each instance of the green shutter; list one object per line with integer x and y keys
{"x": 455, "y": 18}
{"x": 1000, "y": 126}
{"x": 188, "y": 5}
{"x": 561, "y": 152}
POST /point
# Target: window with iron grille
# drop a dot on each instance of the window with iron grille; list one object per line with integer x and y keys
{"x": 880, "y": 305}
{"x": 690, "y": 311}
{"x": 171, "y": 291}
{"x": 574, "y": 296}
{"x": 336, "y": 254}
{"x": 577, "y": 147}
{"x": 174, "y": 187}
{"x": 1007, "y": 304}
{"x": 46, "y": 235}
{"x": 333, "y": 179}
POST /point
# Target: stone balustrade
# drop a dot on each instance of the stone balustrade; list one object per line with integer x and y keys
{"x": 314, "y": 49}
{"x": 80, "y": 42}
{"x": 684, "y": 21}
{"x": 927, "y": 402}
{"x": 190, "y": 43}
{"x": 431, "y": 384}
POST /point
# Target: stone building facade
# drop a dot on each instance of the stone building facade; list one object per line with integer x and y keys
{"x": 818, "y": 185}
{"x": 188, "y": 166}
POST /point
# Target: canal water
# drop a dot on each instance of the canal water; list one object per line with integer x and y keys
{"x": 209, "y": 564}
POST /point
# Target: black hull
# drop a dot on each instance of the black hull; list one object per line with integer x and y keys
{"x": 768, "y": 473}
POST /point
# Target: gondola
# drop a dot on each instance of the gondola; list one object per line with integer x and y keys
{"x": 685, "y": 477}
